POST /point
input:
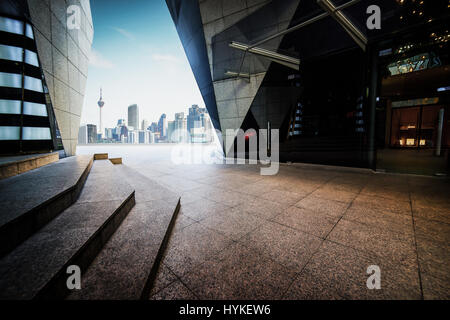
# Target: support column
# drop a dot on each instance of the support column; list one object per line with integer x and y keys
{"x": 372, "y": 104}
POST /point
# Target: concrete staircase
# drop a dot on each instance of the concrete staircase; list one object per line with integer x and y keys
{"x": 32, "y": 199}
{"x": 82, "y": 212}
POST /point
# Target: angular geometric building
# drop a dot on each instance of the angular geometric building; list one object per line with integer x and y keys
{"x": 345, "y": 82}
{"x": 44, "y": 52}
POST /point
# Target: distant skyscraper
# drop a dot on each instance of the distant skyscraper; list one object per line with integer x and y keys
{"x": 121, "y": 122}
{"x": 206, "y": 121}
{"x": 133, "y": 116}
{"x": 100, "y": 103}
{"x": 193, "y": 116}
{"x": 162, "y": 126}
{"x": 151, "y": 137}
{"x": 145, "y": 124}
{"x": 170, "y": 130}
{"x": 83, "y": 135}
{"x": 133, "y": 137}
{"x": 154, "y": 127}
{"x": 109, "y": 133}
{"x": 180, "y": 128}
{"x": 142, "y": 136}
{"x": 91, "y": 133}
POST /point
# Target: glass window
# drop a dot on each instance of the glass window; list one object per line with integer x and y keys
{"x": 31, "y": 58}
{"x": 10, "y": 106}
{"x": 12, "y": 80}
{"x": 11, "y": 25}
{"x": 29, "y": 31}
{"x": 415, "y": 63}
{"x": 35, "y": 133}
{"x": 10, "y": 53}
{"x": 9, "y": 133}
{"x": 35, "y": 109}
{"x": 33, "y": 84}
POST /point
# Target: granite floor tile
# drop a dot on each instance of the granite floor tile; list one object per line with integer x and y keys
{"x": 239, "y": 273}
{"x": 383, "y": 219}
{"x": 283, "y": 197}
{"x": 234, "y": 223}
{"x": 192, "y": 246}
{"x": 330, "y": 207}
{"x": 383, "y": 204}
{"x": 394, "y": 246}
{"x": 201, "y": 209}
{"x": 290, "y": 247}
{"x": 256, "y": 189}
{"x": 337, "y": 185}
{"x": 334, "y": 194}
{"x": 434, "y": 288}
{"x": 436, "y": 231}
{"x": 383, "y": 192}
{"x": 263, "y": 208}
{"x": 164, "y": 278}
{"x": 313, "y": 222}
{"x": 434, "y": 258}
{"x": 226, "y": 197}
{"x": 175, "y": 291}
{"x": 189, "y": 197}
{"x": 182, "y": 220}
{"x": 433, "y": 212}
{"x": 339, "y": 272}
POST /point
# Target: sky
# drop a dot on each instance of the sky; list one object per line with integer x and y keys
{"x": 137, "y": 58}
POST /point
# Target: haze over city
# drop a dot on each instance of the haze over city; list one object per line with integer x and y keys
{"x": 137, "y": 58}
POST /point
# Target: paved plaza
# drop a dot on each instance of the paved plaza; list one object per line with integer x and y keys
{"x": 306, "y": 233}
{"x": 309, "y": 232}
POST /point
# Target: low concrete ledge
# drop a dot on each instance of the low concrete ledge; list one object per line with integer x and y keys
{"x": 116, "y": 160}
{"x": 101, "y": 156}
{"x": 11, "y": 166}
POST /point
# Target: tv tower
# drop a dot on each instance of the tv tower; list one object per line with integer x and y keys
{"x": 101, "y": 103}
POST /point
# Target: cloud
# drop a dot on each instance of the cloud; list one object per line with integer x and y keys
{"x": 125, "y": 33}
{"x": 165, "y": 58}
{"x": 98, "y": 61}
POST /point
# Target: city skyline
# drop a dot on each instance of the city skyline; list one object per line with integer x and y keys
{"x": 139, "y": 59}
{"x": 196, "y": 127}
{"x": 140, "y": 117}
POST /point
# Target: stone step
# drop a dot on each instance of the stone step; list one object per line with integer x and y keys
{"x": 100, "y": 156}
{"x": 12, "y": 166}
{"x": 127, "y": 265}
{"x": 116, "y": 160}
{"x": 32, "y": 199}
{"x": 37, "y": 269}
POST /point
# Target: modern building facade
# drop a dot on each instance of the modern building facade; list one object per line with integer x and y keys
{"x": 133, "y": 116}
{"x": 162, "y": 126}
{"x": 43, "y": 71}
{"x": 180, "y": 128}
{"x": 83, "y": 135}
{"x": 153, "y": 127}
{"x": 196, "y": 118}
{"x": 87, "y": 134}
{"x": 340, "y": 90}
{"x": 145, "y": 124}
